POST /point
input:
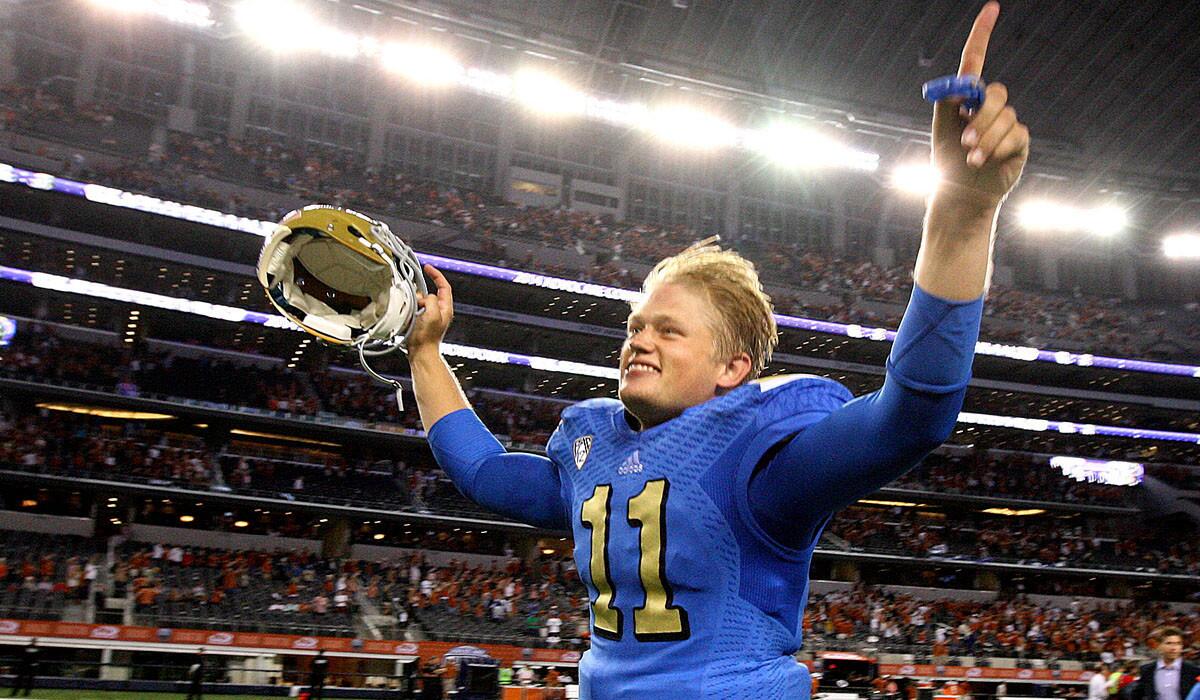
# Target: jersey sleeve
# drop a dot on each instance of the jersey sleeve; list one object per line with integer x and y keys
{"x": 870, "y": 441}
{"x": 1195, "y": 692}
{"x": 522, "y": 486}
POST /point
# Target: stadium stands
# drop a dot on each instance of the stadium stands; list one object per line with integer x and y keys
{"x": 308, "y": 171}
{"x": 40, "y": 573}
{"x": 984, "y": 550}
{"x": 65, "y": 444}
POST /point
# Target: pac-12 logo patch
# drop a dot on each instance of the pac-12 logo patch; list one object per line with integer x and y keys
{"x": 583, "y": 446}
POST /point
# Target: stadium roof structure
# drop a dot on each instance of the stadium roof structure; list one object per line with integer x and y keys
{"x": 1109, "y": 79}
{"x": 1104, "y": 87}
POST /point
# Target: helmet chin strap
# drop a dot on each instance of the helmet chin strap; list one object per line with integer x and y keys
{"x": 402, "y": 345}
{"x": 362, "y": 359}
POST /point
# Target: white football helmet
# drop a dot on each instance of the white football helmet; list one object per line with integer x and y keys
{"x": 343, "y": 277}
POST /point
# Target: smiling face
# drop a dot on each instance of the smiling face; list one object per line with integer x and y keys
{"x": 668, "y": 360}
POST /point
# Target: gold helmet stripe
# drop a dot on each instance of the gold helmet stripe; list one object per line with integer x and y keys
{"x": 337, "y": 224}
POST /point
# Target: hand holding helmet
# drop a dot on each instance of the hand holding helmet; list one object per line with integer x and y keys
{"x": 437, "y": 312}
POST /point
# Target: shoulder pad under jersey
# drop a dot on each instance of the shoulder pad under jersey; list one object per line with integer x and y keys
{"x": 791, "y": 394}
{"x": 591, "y": 406}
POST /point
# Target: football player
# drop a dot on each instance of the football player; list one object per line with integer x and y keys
{"x": 696, "y": 499}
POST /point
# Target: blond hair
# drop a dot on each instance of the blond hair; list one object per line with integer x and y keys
{"x": 745, "y": 322}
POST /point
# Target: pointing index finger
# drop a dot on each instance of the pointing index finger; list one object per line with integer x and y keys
{"x": 975, "y": 50}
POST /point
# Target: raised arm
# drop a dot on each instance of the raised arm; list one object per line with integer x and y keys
{"x": 522, "y": 486}
{"x": 979, "y": 158}
{"x": 874, "y": 439}
{"x": 438, "y": 391}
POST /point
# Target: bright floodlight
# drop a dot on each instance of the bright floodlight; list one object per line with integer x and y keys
{"x": 284, "y": 26}
{"x": 1182, "y": 245}
{"x": 488, "y": 83}
{"x": 794, "y": 146}
{"x": 691, "y": 128}
{"x": 195, "y": 14}
{"x": 620, "y": 113}
{"x": 916, "y": 178}
{"x": 1041, "y": 215}
{"x": 547, "y": 95}
{"x": 274, "y": 24}
{"x": 422, "y": 64}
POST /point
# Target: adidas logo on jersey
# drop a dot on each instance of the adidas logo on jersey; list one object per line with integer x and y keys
{"x": 631, "y": 465}
{"x": 582, "y": 448}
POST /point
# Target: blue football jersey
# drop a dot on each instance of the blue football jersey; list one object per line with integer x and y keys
{"x": 689, "y": 597}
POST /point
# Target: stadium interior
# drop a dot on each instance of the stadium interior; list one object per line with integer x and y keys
{"x": 181, "y": 469}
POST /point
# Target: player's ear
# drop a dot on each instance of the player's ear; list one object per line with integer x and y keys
{"x": 735, "y": 372}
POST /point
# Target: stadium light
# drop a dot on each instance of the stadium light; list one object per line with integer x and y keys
{"x": 1043, "y": 215}
{"x": 1024, "y": 512}
{"x": 101, "y": 412}
{"x": 916, "y": 178}
{"x": 488, "y": 83}
{"x": 1099, "y": 471}
{"x": 628, "y": 114}
{"x": 795, "y": 146}
{"x": 545, "y": 94}
{"x": 284, "y": 26}
{"x": 271, "y": 23}
{"x": 692, "y": 128}
{"x": 193, "y": 14}
{"x": 1179, "y": 246}
{"x": 426, "y": 65}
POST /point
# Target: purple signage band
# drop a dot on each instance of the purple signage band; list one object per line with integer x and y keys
{"x": 187, "y": 212}
{"x": 59, "y": 283}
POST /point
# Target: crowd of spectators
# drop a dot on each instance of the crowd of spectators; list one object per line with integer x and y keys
{"x": 24, "y": 107}
{"x": 77, "y": 447}
{"x": 138, "y": 370}
{"x": 60, "y": 443}
{"x": 397, "y": 479}
{"x": 39, "y": 575}
{"x": 375, "y": 406}
{"x": 535, "y": 602}
{"x": 314, "y": 172}
{"x": 523, "y": 419}
{"x": 178, "y": 586}
{"x": 1008, "y": 475}
{"x": 539, "y": 601}
{"x": 1006, "y": 627}
{"x": 1099, "y": 543}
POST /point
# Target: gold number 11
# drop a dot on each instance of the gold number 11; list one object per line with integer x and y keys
{"x": 656, "y": 620}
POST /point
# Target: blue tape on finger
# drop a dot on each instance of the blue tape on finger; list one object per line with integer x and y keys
{"x": 968, "y": 87}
